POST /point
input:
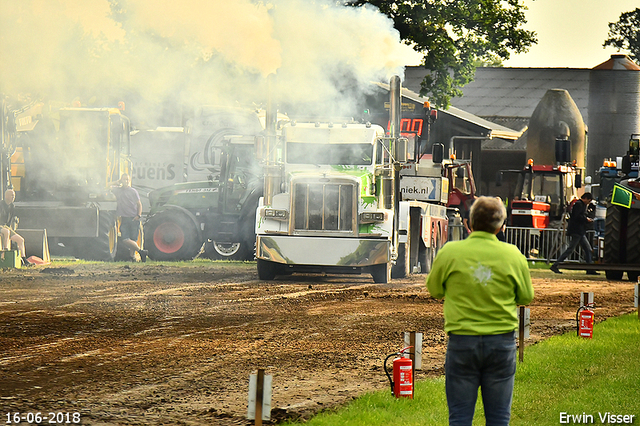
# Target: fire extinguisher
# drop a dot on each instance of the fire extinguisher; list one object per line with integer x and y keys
{"x": 584, "y": 320}
{"x": 402, "y": 382}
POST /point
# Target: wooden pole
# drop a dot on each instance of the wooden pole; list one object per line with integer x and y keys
{"x": 636, "y": 297}
{"x": 521, "y": 335}
{"x": 259, "y": 397}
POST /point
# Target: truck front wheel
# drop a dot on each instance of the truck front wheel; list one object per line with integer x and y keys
{"x": 266, "y": 270}
{"x": 381, "y": 273}
{"x": 172, "y": 236}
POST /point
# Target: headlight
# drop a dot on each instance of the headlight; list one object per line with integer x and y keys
{"x": 276, "y": 214}
{"x": 371, "y": 217}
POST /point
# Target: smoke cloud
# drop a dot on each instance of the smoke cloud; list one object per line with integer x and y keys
{"x": 157, "y": 54}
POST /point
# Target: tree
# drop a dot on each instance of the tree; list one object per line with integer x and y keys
{"x": 455, "y": 35}
{"x": 625, "y": 34}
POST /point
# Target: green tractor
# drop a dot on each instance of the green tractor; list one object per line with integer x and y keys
{"x": 214, "y": 217}
{"x": 622, "y": 224}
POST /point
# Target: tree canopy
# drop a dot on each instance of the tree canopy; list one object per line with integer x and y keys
{"x": 456, "y": 35}
{"x": 625, "y": 34}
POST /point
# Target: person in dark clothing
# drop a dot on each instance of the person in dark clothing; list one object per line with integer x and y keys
{"x": 577, "y": 230}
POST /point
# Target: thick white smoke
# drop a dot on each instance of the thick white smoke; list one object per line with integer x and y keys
{"x": 194, "y": 51}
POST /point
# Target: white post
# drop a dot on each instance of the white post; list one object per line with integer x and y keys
{"x": 414, "y": 339}
{"x": 586, "y": 298}
{"x": 259, "y": 407}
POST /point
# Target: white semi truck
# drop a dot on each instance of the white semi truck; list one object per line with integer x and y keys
{"x": 344, "y": 198}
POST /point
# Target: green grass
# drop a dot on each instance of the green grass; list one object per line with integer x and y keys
{"x": 562, "y": 374}
{"x": 539, "y": 264}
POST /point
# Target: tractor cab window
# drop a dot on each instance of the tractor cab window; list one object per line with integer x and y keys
{"x": 461, "y": 180}
{"x": 84, "y": 137}
{"x": 242, "y": 174}
{"x": 545, "y": 187}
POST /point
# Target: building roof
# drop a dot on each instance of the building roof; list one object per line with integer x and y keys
{"x": 489, "y": 128}
{"x": 510, "y": 95}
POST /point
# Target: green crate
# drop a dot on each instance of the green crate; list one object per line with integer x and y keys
{"x": 10, "y": 259}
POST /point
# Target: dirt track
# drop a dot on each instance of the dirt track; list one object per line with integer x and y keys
{"x": 155, "y": 343}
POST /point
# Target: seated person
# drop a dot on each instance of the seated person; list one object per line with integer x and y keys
{"x": 8, "y": 223}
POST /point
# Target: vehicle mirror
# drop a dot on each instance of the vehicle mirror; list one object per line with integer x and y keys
{"x": 499, "y": 179}
{"x": 563, "y": 150}
{"x": 437, "y": 153}
{"x": 401, "y": 149}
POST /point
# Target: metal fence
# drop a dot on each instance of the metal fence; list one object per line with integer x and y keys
{"x": 546, "y": 244}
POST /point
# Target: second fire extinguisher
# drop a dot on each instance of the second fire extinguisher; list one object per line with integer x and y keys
{"x": 584, "y": 320}
{"x": 402, "y": 382}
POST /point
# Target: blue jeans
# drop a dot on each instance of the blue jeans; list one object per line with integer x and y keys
{"x": 573, "y": 243}
{"x": 485, "y": 362}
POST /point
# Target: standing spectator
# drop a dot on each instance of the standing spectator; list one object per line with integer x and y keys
{"x": 482, "y": 281}
{"x": 129, "y": 210}
{"x": 577, "y": 231}
{"x": 8, "y": 224}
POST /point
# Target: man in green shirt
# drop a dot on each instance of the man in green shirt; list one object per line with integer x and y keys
{"x": 482, "y": 280}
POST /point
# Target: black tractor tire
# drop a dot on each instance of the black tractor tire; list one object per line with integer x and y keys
{"x": 613, "y": 230}
{"x": 242, "y": 250}
{"x": 267, "y": 270}
{"x": 105, "y": 246}
{"x": 171, "y": 235}
{"x": 614, "y": 275}
{"x": 633, "y": 237}
{"x": 381, "y": 273}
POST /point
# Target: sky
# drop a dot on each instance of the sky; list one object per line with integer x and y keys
{"x": 570, "y": 32}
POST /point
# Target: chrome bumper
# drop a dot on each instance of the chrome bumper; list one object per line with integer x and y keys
{"x": 323, "y": 251}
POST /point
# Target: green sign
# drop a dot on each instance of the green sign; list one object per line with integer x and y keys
{"x": 621, "y": 196}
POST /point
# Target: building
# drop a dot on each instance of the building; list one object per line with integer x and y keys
{"x": 509, "y": 96}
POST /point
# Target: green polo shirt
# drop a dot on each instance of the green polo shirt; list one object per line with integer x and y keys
{"x": 482, "y": 280}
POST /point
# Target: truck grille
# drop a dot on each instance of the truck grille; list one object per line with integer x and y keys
{"x": 324, "y": 206}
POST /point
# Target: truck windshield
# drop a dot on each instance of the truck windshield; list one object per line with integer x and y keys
{"x": 360, "y": 154}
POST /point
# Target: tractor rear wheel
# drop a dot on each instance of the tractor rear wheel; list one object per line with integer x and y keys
{"x": 612, "y": 236}
{"x": 172, "y": 236}
{"x": 633, "y": 237}
{"x": 105, "y": 245}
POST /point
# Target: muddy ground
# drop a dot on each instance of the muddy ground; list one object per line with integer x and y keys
{"x": 162, "y": 343}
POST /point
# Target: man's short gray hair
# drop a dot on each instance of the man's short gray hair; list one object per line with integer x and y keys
{"x": 487, "y": 214}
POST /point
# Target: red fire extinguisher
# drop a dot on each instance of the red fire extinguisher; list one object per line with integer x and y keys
{"x": 402, "y": 382}
{"x": 584, "y": 320}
